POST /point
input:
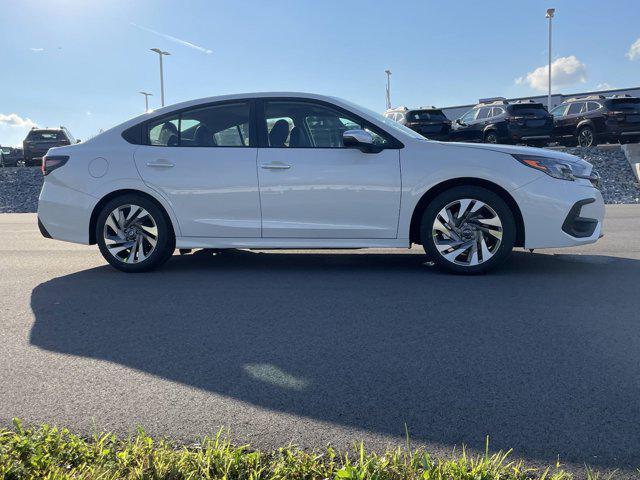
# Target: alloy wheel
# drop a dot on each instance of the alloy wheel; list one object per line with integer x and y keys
{"x": 130, "y": 233}
{"x": 467, "y": 232}
{"x": 585, "y": 137}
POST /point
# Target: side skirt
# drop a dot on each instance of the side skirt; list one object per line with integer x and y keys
{"x": 290, "y": 243}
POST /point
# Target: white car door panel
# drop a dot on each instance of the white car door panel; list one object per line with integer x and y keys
{"x": 329, "y": 193}
{"x": 213, "y": 190}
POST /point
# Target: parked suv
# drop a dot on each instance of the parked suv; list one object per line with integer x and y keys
{"x": 430, "y": 122}
{"x": 594, "y": 119}
{"x": 11, "y": 156}
{"x": 499, "y": 121}
{"x": 39, "y": 140}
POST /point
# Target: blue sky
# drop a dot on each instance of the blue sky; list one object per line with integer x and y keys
{"x": 81, "y": 63}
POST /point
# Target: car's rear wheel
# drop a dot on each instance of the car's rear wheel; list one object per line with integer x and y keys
{"x": 491, "y": 137}
{"x": 586, "y": 137}
{"x": 468, "y": 230}
{"x": 134, "y": 234}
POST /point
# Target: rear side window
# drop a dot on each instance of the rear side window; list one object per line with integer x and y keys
{"x": 591, "y": 106}
{"x": 225, "y": 125}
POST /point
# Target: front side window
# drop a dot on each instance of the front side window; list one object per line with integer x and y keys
{"x": 483, "y": 113}
{"x": 575, "y": 108}
{"x": 295, "y": 124}
{"x": 469, "y": 116}
{"x": 225, "y": 125}
{"x": 559, "y": 111}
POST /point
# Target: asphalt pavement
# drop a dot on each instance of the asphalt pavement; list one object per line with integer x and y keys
{"x": 313, "y": 348}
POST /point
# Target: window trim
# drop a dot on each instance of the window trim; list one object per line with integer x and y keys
{"x": 263, "y": 134}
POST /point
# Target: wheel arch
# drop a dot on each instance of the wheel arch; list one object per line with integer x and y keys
{"x": 585, "y": 123}
{"x": 116, "y": 193}
{"x": 429, "y": 195}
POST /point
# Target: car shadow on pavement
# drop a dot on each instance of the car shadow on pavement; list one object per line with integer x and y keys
{"x": 542, "y": 355}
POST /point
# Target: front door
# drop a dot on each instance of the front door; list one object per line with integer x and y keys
{"x": 313, "y": 187}
{"x": 203, "y": 162}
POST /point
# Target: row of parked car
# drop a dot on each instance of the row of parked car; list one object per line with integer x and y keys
{"x": 35, "y": 146}
{"x": 583, "y": 121}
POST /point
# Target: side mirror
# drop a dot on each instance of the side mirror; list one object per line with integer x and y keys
{"x": 78, "y": 140}
{"x": 359, "y": 139}
{"x": 459, "y": 121}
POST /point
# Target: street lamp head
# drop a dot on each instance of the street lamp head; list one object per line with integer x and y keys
{"x": 157, "y": 50}
{"x": 388, "y": 72}
{"x": 550, "y": 12}
{"x": 147, "y": 93}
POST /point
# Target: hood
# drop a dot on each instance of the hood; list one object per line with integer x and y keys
{"x": 517, "y": 150}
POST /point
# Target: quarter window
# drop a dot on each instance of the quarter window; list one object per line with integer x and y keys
{"x": 593, "y": 106}
{"x": 309, "y": 125}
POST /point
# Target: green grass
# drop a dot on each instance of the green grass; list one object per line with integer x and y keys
{"x": 50, "y": 453}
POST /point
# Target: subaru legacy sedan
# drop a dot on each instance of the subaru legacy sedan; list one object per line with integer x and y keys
{"x": 304, "y": 171}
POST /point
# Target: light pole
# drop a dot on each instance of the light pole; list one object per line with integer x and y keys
{"x": 550, "y": 12}
{"x": 146, "y": 100}
{"x": 388, "y": 72}
{"x": 161, "y": 53}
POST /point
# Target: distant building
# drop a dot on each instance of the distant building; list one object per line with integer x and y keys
{"x": 556, "y": 99}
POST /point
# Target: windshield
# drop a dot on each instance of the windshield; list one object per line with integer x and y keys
{"x": 392, "y": 125}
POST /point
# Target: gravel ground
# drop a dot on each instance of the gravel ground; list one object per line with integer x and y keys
{"x": 619, "y": 185}
{"x": 19, "y": 189}
{"x": 20, "y": 186}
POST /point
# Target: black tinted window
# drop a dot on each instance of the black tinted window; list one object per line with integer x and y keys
{"x": 426, "y": 116}
{"x": 528, "y": 110}
{"x": 622, "y": 104}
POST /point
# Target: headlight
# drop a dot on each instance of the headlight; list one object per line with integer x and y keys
{"x": 555, "y": 167}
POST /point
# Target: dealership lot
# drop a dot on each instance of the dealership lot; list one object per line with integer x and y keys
{"x": 316, "y": 347}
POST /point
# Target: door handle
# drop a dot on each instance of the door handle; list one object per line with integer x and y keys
{"x": 275, "y": 166}
{"x": 161, "y": 164}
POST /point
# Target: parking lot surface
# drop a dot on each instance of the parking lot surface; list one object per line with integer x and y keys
{"x": 330, "y": 347}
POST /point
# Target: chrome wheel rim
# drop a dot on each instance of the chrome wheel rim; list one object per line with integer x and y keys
{"x": 467, "y": 232}
{"x": 130, "y": 234}
{"x": 585, "y": 138}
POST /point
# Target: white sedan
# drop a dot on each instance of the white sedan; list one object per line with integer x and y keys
{"x": 291, "y": 170}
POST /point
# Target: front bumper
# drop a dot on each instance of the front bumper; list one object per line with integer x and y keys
{"x": 560, "y": 213}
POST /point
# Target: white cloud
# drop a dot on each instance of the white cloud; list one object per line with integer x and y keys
{"x": 174, "y": 39}
{"x": 604, "y": 86}
{"x": 565, "y": 71}
{"x": 37, "y": 49}
{"x": 634, "y": 50}
{"x": 15, "y": 120}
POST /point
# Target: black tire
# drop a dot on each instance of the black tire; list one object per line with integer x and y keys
{"x": 586, "y": 137}
{"x": 495, "y": 202}
{"x": 491, "y": 137}
{"x": 165, "y": 240}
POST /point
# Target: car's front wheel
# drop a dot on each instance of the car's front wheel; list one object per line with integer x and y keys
{"x": 468, "y": 230}
{"x": 134, "y": 234}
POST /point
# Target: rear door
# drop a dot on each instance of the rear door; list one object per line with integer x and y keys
{"x": 311, "y": 186}
{"x": 203, "y": 160}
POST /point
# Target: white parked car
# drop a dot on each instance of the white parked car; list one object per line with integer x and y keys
{"x": 290, "y": 170}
